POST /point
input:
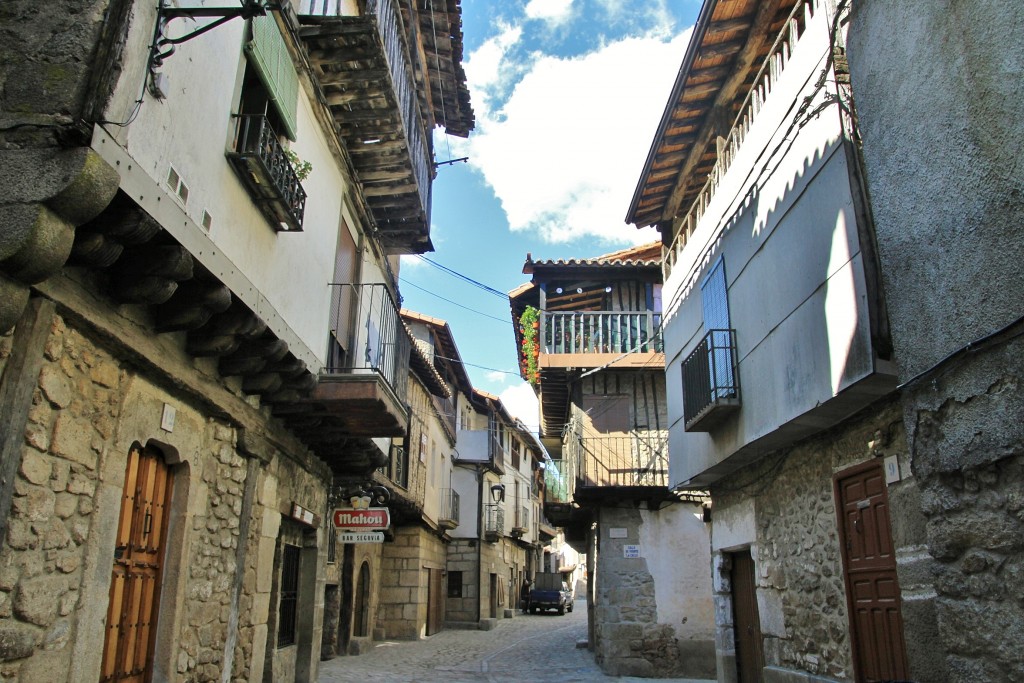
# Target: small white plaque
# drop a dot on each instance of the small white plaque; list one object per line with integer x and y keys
{"x": 167, "y": 419}
{"x": 892, "y": 469}
{"x": 631, "y": 551}
{"x": 618, "y": 532}
{"x": 361, "y": 536}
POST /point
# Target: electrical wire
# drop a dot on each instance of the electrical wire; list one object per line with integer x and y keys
{"x": 466, "y": 278}
{"x": 455, "y": 303}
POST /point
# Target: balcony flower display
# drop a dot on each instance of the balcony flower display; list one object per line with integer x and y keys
{"x": 529, "y": 326}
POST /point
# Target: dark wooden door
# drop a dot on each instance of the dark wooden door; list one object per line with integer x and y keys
{"x": 435, "y": 601}
{"x": 138, "y": 558}
{"x": 869, "y": 567}
{"x": 746, "y": 620}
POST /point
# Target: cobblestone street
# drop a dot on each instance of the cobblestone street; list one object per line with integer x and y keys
{"x": 529, "y": 647}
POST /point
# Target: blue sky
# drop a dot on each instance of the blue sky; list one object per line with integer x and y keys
{"x": 567, "y": 95}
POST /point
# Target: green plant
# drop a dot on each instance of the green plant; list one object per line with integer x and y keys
{"x": 529, "y": 324}
{"x": 302, "y": 168}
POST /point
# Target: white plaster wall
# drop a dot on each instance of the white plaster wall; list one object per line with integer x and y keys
{"x": 676, "y": 544}
{"x": 465, "y": 483}
{"x": 192, "y": 129}
{"x": 797, "y": 295}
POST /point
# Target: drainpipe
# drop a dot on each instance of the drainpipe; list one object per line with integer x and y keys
{"x": 479, "y": 543}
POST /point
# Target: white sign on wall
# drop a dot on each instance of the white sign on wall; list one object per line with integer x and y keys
{"x": 631, "y": 551}
{"x": 617, "y": 532}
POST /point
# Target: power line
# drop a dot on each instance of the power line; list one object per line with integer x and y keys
{"x": 455, "y": 303}
{"x": 466, "y": 278}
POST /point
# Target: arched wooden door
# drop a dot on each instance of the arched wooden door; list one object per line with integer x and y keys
{"x": 138, "y": 560}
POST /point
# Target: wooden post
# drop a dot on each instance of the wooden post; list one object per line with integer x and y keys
{"x": 16, "y": 389}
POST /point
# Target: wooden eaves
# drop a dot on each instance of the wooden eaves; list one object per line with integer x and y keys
{"x": 730, "y": 41}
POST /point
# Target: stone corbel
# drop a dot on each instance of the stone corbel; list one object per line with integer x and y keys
{"x": 48, "y": 194}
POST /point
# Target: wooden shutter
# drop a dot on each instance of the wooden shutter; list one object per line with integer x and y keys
{"x": 269, "y": 55}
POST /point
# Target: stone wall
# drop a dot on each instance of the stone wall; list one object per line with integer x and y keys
{"x": 649, "y": 622}
{"x": 940, "y": 112}
{"x": 463, "y": 557}
{"x": 783, "y": 509}
{"x": 88, "y": 410}
{"x": 402, "y": 607}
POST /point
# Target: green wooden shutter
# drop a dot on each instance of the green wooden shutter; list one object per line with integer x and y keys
{"x": 269, "y": 55}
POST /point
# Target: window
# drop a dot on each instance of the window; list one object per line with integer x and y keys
{"x": 400, "y": 463}
{"x": 515, "y": 453}
{"x": 268, "y": 55}
{"x": 715, "y": 304}
{"x": 608, "y": 414}
{"x": 289, "y": 595}
{"x": 454, "y": 584}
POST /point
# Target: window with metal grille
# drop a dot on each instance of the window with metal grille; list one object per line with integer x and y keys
{"x": 289, "y": 595}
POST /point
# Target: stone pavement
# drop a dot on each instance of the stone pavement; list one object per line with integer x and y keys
{"x": 539, "y": 648}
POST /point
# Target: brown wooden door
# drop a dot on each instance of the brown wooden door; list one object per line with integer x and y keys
{"x": 138, "y": 556}
{"x": 869, "y": 566}
{"x": 746, "y": 620}
{"x": 435, "y": 601}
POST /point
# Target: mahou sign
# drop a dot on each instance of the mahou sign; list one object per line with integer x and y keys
{"x": 370, "y": 519}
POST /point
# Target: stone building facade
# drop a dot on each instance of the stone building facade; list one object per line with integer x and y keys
{"x": 223, "y": 525}
{"x": 949, "y": 243}
{"x": 783, "y": 513}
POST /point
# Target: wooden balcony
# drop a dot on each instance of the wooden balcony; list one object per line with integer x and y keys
{"x": 622, "y": 467}
{"x": 582, "y": 339}
{"x": 364, "y": 67}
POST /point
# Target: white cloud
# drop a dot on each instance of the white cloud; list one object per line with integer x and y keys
{"x": 521, "y": 402}
{"x": 497, "y": 376}
{"x": 554, "y": 12}
{"x": 564, "y": 153}
{"x": 489, "y": 71}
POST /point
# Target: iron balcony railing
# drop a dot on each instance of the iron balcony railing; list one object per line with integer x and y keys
{"x": 268, "y": 174}
{"x": 711, "y": 385}
{"x": 601, "y": 332}
{"x": 367, "y": 335}
{"x": 449, "y": 516}
{"x": 495, "y": 450}
{"x": 522, "y": 520}
{"x": 446, "y": 411}
{"x": 636, "y": 459}
{"x": 387, "y": 16}
{"x": 494, "y": 521}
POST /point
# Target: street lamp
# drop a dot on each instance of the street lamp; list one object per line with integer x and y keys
{"x": 498, "y": 493}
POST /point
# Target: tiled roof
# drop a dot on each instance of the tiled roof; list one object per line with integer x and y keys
{"x": 643, "y": 255}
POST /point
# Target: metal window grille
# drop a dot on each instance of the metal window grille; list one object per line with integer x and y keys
{"x": 289, "y": 595}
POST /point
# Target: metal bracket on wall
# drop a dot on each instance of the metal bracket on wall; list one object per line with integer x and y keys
{"x": 163, "y": 47}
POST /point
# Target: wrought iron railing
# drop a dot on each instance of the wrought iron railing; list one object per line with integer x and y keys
{"x": 267, "y": 172}
{"x": 711, "y": 376}
{"x": 367, "y": 335}
{"x": 387, "y": 16}
{"x": 601, "y": 332}
{"x": 522, "y": 518}
{"x": 449, "y": 507}
{"x": 637, "y": 459}
{"x": 446, "y": 411}
{"x": 494, "y": 520}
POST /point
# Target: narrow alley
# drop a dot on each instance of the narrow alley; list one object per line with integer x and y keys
{"x": 529, "y": 647}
